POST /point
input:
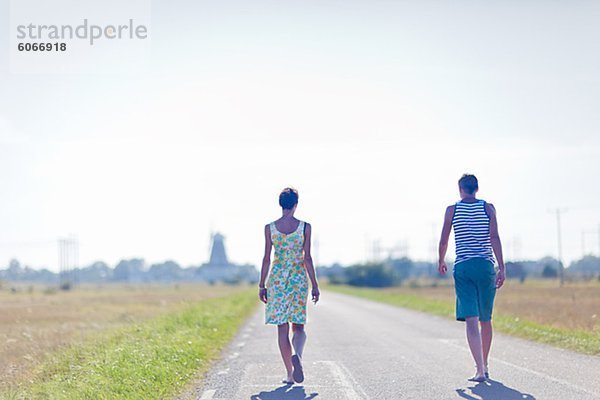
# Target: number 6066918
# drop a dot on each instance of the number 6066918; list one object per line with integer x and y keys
{"x": 42, "y": 46}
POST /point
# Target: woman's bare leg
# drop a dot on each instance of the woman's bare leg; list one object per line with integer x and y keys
{"x": 475, "y": 344}
{"x": 299, "y": 338}
{"x": 486, "y": 339}
{"x": 283, "y": 332}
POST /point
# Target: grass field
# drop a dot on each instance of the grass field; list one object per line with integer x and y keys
{"x": 114, "y": 341}
{"x": 567, "y": 317}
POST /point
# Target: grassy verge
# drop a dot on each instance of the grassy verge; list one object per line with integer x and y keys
{"x": 572, "y": 339}
{"x": 150, "y": 360}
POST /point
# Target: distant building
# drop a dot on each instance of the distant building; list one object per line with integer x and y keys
{"x": 219, "y": 269}
{"x": 217, "y": 252}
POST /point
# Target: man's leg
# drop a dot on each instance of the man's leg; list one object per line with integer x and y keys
{"x": 486, "y": 294}
{"x": 474, "y": 340}
{"x": 486, "y": 340}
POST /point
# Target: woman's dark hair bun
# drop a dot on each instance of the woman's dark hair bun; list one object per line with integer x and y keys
{"x": 288, "y": 198}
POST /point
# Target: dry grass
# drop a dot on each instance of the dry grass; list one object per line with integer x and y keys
{"x": 573, "y": 306}
{"x": 34, "y": 324}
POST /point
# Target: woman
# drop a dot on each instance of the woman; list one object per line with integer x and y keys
{"x": 475, "y": 279}
{"x": 287, "y": 290}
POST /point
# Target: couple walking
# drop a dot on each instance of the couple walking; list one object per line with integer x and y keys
{"x": 475, "y": 278}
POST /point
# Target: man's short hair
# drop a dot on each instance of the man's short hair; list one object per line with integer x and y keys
{"x": 468, "y": 183}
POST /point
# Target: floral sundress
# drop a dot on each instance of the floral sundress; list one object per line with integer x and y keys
{"x": 287, "y": 287}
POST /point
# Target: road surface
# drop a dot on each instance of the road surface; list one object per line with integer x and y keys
{"x": 358, "y": 349}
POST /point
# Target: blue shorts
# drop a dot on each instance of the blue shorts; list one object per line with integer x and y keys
{"x": 475, "y": 286}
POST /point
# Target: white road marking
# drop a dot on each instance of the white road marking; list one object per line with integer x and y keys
{"x": 208, "y": 394}
{"x": 312, "y": 387}
{"x": 525, "y": 369}
{"x": 234, "y": 355}
{"x": 545, "y": 376}
{"x": 223, "y": 371}
{"x": 241, "y": 344}
{"x": 346, "y": 382}
{"x": 330, "y": 377}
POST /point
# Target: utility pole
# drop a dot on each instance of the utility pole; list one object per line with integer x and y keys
{"x": 517, "y": 248}
{"x": 75, "y": 241}
{"x": 376, "y": 250}
{"x": 512, "y": 250}
{"x": 561, "y": 267}
{"x": 367, "y": 249}
{"x": 403, "y": 248}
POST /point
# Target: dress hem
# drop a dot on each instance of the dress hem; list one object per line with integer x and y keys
{"x": 284, "y": 322}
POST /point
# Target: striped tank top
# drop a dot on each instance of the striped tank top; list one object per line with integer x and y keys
{"x": 471, "y": 224}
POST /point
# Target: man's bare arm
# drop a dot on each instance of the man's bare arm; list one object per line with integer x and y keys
{"x": 443, "y": 247}
{"x": 496, "y": 243}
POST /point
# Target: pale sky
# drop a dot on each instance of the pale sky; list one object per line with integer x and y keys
{"x": 371, "y": 109}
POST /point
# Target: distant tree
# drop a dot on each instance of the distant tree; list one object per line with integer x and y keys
{"x": 14, "y": 268}
{"x": 129, "y": 270}
{"x": 335, "y": 273}
{"x": 98, "y": 271}
{"x": 168, "y": 271}
{"x": 46, "y": 276}
{"x": 550, "y": 272}
{"x": 402, "y": 267}
{"x": 372, "y": 275}
{"x": 515, "y": 270}
{"x": 337, "y": 279}
{"x": 248, "y": 273}
{"x": 535, "y": 268}
{"x": 424, "y": 268}
{"x": 586, "y": 266}
{"x": 17, "y": 273}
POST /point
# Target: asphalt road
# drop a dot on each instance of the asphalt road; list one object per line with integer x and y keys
{"x": 359, "y": 349}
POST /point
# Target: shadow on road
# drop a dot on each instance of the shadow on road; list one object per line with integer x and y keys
{"x": 492, "y": 390}
{"x": 285, "y": 392}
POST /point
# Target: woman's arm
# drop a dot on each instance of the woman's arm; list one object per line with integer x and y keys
{"x": 496, "y": 243}
{"x": 443, "y": 248}
{"x": 266, "y": 263}
{"x": 308, "y": 264}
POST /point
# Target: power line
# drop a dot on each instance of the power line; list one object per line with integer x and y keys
{"x": 68, "y": 260}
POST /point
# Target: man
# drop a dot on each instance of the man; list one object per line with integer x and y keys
{"x": 475, "y": 279}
